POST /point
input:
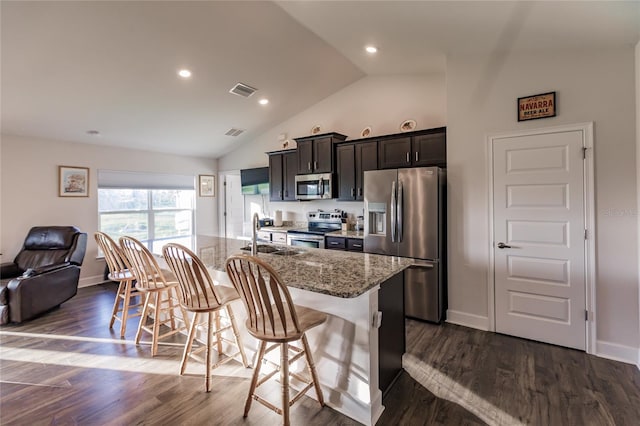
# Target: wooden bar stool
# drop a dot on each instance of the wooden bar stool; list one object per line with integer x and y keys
{"x": 159, "y": 288}
{"x": 275, "y": 319}
{"x": 200, "y": 295}
{"x": 118, "y": 272}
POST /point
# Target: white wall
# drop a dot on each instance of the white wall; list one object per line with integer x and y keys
{"x": 29, "y": 183}
{"x": 591, "y": 86}
{"x": 382, "y": 102}
{"x": 638, "y": 164}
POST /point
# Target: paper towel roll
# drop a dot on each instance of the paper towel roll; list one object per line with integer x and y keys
{"x": 277, "y": 220}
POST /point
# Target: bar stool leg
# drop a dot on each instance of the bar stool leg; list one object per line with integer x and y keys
{"x": 143, "y": 318}
{"x": 254, "y": 379}
{"x": 125, "y": 307}
{"x": 189, "y": 344}
{"x": 236, "y": 334}
{"x": 116, "y": 304}
{"x": 156, "y": 323}
{"x": 312, "y": 369}
{"x": 284, "y": 381}
{"x": 207, "y": 377}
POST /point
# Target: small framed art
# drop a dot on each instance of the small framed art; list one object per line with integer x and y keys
{"x": 73, "y": 181}
{"x": 537, "y": 106}
{"x": 207, "y": 185}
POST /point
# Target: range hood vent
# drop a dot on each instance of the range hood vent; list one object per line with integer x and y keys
{"x": 234, "y": 132}
{"x": 243, "y": 90}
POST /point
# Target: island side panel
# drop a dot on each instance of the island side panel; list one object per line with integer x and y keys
{"x": 392, "y": 340}
{"x": 345, "y": 351}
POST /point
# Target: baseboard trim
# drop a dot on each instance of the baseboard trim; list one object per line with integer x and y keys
{"x": 618, "y": 352}
{"x": 468, "y": 320}
{"x": 90, "y": 281}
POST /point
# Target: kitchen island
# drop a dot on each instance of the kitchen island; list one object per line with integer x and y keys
{"x": 363, "y": 295}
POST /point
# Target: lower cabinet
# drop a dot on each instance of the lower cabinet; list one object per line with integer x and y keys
{"x": 343, "y": 243}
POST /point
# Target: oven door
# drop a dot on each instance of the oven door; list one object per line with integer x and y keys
{"x": 304, "y": 240}
{"x": 313, "y": 187}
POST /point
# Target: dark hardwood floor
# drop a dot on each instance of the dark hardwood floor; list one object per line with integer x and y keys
{"x": 68, "y": 368}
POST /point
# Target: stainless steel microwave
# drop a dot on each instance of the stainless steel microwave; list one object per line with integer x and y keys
{"x": 314, "y": 187}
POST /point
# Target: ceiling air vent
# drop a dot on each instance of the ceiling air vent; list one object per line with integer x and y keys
{"x": 243, "y": 90}
{"x": 234, "y": 132}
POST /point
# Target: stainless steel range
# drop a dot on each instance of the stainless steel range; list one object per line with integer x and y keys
{"x": 320, "y": 223}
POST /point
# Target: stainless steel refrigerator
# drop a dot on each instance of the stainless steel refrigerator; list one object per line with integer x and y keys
{"x": 405, "y": 216}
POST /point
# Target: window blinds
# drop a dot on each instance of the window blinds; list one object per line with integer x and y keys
{"x": 142, "y": 180}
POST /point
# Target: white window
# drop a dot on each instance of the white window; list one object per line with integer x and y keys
{"x": 137, "y": 205}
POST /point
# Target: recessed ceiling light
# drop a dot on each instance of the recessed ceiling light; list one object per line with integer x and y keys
{"x": 185, "y": 73}
{"x": 93, "y": 132}
{"x": 263, "y": 101}
{"x": 371, "y": 49}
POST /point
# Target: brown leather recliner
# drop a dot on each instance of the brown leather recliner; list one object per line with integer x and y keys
{"x": 44, "y": 274}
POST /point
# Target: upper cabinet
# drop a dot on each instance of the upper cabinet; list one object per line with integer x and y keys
{"x": 316, "y": 153}
{"x": 353, "y": 159}
{"x": 282, "y": 173}
{"x": 422, "y": 148}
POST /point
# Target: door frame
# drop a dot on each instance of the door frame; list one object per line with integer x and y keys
{"x": 589, "y": 212}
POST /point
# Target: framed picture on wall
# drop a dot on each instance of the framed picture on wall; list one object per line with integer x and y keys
{"x": 207, "y": 185}
{"x": 73, "y": 181}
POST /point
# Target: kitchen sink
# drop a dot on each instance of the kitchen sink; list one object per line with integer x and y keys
{"x": 287, "y": 252}
{"x": 266, "y": 248}
{"x": 262, "y": 248}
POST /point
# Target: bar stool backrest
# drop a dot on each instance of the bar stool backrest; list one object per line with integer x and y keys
{"x": 142, "y": 264}
{"x": 271, "y": 312}
{"x": 112, "y": 254}
{"x": 197, "y": 289}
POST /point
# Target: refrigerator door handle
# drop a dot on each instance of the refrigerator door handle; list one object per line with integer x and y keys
{"x": 399, "y": 210}
{"x": 393, "y": 211}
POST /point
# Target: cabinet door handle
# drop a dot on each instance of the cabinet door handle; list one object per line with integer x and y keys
{"x": 333, "y": 243}
{"x": 416, "y": 156}
{"x": 357, "y": 245}
{"x": 286, "y": 192}
{"x": 315, "y": 165}
{"x": 360, "y": 192}
{"x": 309, "y": 165}
{"x": 408, "y": 158}
{"x": 279, "y": 194}
{"x": 353, "y": 192}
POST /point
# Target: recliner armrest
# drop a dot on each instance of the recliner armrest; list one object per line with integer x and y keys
{"x": 50, "y": 268}
{"x": 10, "y": 270}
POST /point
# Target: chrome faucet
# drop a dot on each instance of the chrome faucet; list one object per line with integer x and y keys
{"x": 255, "y": 226}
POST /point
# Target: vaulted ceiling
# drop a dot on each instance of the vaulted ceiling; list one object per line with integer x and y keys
{"x": 111, "y": 66}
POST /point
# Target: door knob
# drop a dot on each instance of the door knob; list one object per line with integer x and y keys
{"x": 503, "y": 246}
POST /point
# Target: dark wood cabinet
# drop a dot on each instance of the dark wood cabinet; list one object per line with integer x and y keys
{"x": 282, "y": 173}
{"x": 335, "y": 243}
{"x": 366, "y": 159}
{"x": 430, "y": 150}
{"x": 424, "y": 148}
{"x": 275, "y": 177}
{"x": 343, "y": 243}
{"x": 394, "y": 153}
{"x": 352, "y": 160}
{"x": 345, "y": 166}
{"x": 315, "y": 153}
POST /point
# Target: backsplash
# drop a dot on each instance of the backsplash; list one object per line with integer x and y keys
{"x": 296, "y": 211}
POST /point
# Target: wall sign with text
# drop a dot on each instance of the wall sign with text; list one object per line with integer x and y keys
{"x": 537, "y": 106}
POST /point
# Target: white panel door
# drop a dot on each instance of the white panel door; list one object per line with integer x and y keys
{"x": 539, "y": 237}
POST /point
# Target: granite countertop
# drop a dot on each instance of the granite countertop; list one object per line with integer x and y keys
{"x": 347, "y": 234}
{"x": 336, "y": 273}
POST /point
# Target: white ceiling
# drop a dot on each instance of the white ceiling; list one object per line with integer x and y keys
{"x": 69, "y": 67}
